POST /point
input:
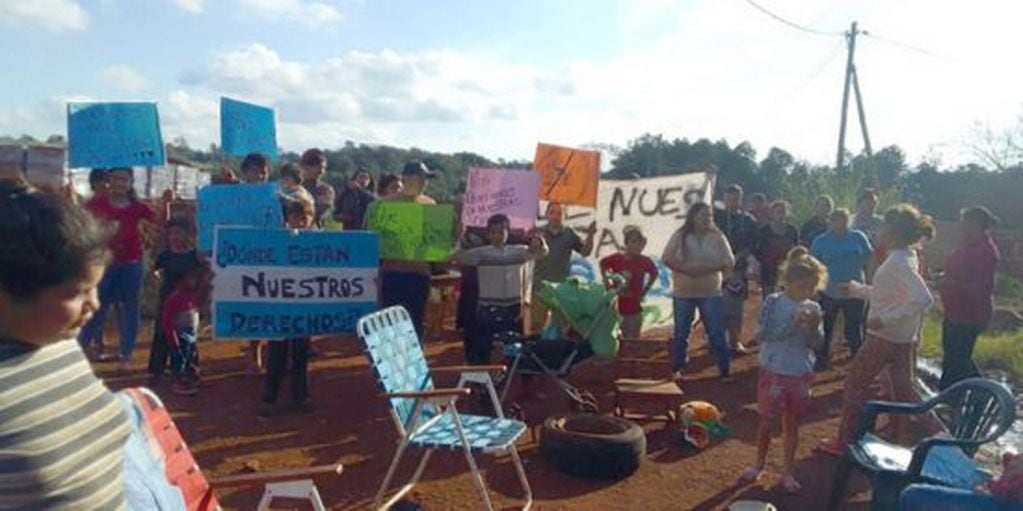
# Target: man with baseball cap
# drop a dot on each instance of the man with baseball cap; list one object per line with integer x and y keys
{"x": 407, "y": 283}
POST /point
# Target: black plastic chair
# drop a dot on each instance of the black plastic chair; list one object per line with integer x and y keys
{"x": 974, "y": 412}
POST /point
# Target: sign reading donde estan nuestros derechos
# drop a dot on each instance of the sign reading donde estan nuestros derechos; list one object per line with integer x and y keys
{"x": 280, "y": 283}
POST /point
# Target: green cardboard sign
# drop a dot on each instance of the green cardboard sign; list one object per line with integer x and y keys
{"x": 413, "y": 232}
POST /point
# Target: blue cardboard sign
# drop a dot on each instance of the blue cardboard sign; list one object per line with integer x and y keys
{"x": 246, "y": 128}
{"x": 238, "y": 205}
{"x": 114, "y": 135}
{"x": 281, "y": 284}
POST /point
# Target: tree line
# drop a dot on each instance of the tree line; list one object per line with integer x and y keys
{"x": 779, "y": 174}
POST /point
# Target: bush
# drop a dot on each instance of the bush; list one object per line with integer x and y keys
{"x": 1008, "y": 287}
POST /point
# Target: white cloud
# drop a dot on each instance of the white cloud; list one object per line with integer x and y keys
{"x": 750, "y": 78}
{"x": 55, "y": 15}
{"x": 124, "y": 79}
{"x": 193, "y": 6}
{"x": 384, "y": 86}
{"x": 312, "y": 13}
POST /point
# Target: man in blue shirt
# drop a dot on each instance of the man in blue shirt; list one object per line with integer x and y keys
{"x": 845, "y": 252}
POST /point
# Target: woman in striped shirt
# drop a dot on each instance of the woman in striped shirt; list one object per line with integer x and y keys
{"x": 62, "y": 432}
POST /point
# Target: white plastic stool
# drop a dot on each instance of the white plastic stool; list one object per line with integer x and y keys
{"x": 303, "y": 489}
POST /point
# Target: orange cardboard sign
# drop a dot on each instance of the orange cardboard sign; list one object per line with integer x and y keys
{"x": 568, "y": 175}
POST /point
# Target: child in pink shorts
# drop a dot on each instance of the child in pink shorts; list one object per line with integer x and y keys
{"x": 788, "y": 331}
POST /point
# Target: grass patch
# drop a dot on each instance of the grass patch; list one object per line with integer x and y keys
{"x": 1003, "y": 352}
{"x": 1008, "y": 288}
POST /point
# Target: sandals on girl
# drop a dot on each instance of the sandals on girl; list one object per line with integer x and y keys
{"x": 790, "y": 484}
{"x": 750, "y": 476}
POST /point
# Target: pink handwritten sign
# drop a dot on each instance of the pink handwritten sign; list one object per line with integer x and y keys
{"x": 515, "y": 193}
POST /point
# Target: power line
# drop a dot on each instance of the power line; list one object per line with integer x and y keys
{"x": 900, "y": 44}
{"x": 792, "y": 24}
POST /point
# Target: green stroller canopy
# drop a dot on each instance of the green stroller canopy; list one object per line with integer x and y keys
{"x": 588, "y": 308}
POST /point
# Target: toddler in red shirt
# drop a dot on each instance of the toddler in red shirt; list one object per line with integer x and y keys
{"x": 180, "y": 321}
{"x": 640, "y": 274}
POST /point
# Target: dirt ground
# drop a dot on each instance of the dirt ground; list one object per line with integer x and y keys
{"x": 351, "y": 425}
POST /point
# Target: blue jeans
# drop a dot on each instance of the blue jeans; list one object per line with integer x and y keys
{"x": 121, "y": 284}
{"x": 712, "y": 313}
{"x": 183, "y": 355}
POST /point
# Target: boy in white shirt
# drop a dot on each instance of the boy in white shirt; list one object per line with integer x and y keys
{"x": 501, "y": 270}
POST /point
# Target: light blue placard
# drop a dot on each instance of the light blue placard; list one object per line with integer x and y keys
{"x": 301, "y": 249}
{"x": 241, "y": 205}
{"x": 260, "y": 321}
{"x": 280, "y": 284}
{"x": 246, "y": 128}
{"x": 114, "y": 135}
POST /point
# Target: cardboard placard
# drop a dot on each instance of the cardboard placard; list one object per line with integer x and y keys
{"x": 247, "y": 128}
{"x": 280, "y": 283}
{"x": 114, "y": 135}
{"x": 568, "y": 176}
{"x": 514, "y": 193}
{"x": 413, "y": 232}
{"x": 236, "y": 205}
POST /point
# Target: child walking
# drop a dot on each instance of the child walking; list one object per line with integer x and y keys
{"x": 640, "y": 273}
{"x": 788, "y": 332}
{"x": 174, "y": 262}
{"x": 500, "y": 268}
{"x": 298, "y": 214}
{"x": 180, "y": 321}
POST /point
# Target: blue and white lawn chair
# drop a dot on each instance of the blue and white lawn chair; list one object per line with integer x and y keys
{"x": 426, "y": 416}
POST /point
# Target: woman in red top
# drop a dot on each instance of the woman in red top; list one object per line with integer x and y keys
{"x": 122, "y": 281}
{"x": 967, "y": 294}
{"x": 773, "y": 245}
{"x": 640, "y": 273}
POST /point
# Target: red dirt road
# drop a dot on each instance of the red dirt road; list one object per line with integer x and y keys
{"x": 352, "y": 426}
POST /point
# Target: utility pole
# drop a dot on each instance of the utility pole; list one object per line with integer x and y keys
{"x": 851, "y": 81}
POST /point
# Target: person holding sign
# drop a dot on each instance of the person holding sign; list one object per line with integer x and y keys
{"x": 122, "y": 282}
{"x": 99, "y": 186}
{"x": 255, "y": 169}
{"x": 298, "y": 214}
{"x": 500, "y": 271}
{"x": 407, "y": 283}
{"x": 699, "y": 255}
{"x": 562, "y": 241}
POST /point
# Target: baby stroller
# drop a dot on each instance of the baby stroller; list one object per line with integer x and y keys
{"x": 584, "y": 323}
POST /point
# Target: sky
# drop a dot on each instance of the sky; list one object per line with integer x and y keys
{"x": 497, "y": 77}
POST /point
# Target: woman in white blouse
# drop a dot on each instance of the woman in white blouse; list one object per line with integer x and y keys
{"x": 898, "y": 300}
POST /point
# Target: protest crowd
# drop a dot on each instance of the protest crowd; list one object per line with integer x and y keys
{"x": 68, "y": 262}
